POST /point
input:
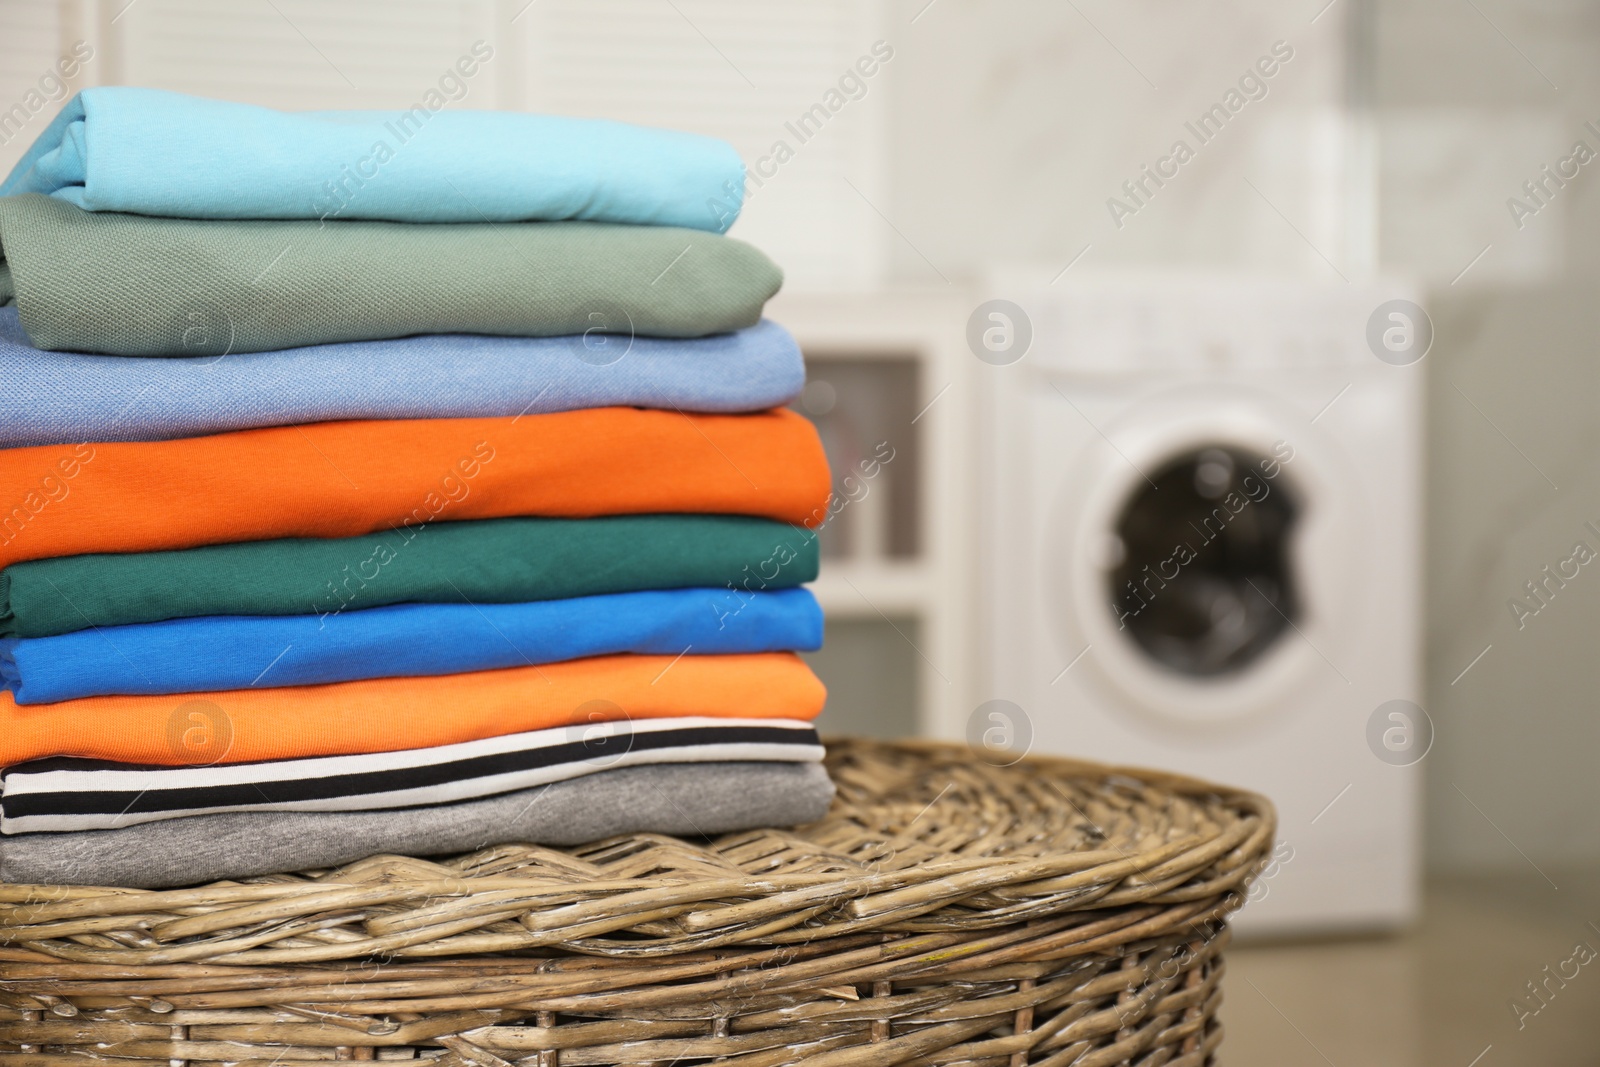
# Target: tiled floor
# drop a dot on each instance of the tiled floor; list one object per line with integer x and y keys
{"x": 1438, "y": 996}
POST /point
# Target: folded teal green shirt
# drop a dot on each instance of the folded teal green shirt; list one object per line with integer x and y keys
{"x": 133, "y": 285}
{"x": 486, "y": 561}
{"x": 150, "y": 152}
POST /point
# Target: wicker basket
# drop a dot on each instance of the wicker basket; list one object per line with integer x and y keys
{"x": 944, "y": 912}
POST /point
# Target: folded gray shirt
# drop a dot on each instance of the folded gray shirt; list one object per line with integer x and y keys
{"x": 688, "y": 799}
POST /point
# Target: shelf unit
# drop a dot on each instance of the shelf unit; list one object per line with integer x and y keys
{"x": 933, "y": 587}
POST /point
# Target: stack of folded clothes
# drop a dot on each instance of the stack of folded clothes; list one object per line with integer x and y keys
{"x": 401, "y": 482}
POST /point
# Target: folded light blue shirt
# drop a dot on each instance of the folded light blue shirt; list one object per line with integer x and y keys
{"x": 52, "y": 398}
{"x": 151, "y": 152}
{"x": 240, "y": 652}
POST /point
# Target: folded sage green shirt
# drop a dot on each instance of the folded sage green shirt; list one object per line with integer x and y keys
{"x": 135, "y": 285}
{"x": 486, "y": 561}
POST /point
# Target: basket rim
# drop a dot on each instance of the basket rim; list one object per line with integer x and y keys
{"x": 1136, "y": 851}
{"x": 1246, "y": 802}
{"x": 1175, "y": 781}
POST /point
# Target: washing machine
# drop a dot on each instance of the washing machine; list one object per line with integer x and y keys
{"x": 1201, "y": 504}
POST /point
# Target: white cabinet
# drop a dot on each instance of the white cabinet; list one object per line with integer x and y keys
{"x": 894, "y": 376}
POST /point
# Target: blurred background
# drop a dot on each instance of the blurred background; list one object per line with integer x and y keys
{"x": 1399, "y": 648}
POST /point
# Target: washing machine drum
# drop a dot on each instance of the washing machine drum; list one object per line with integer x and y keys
{"x": 1202, "y": 581}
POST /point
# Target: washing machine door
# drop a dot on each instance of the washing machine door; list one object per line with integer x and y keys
{"x": 1209, "y": 555}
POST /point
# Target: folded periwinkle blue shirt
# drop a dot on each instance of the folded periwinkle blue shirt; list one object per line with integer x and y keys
{"x": 65, "y": 397}
{"x": 237, "y": 652}
{"x": 152, "y": 152}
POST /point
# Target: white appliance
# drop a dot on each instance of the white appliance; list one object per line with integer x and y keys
{"x": 1201, "y": 520}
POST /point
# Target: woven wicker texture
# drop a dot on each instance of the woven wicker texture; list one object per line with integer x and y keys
{"x": 945, "y": 911}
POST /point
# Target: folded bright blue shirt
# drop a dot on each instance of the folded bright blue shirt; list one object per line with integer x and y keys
{"x": 64, "y": 397}
{"x": 151, "y": 152}
{"x": 237, "y": 652}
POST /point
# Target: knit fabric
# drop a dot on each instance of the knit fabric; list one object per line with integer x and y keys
{"x": 489, "y": 561}
{"x": 692, "y": 800}
{"x": 131, "y": 285}
{"x": 387, "y": 714}
{"x": 238, "y": 652}
{"x": 64, "y": 397}
{"x": 341, "y": 479}
{"x": 157, "y": 153}
{"x": 65, "y": 794}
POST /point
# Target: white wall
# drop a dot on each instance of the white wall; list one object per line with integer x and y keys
{"x": 1014, "y": 123}
{"x": 1519, "y": 733}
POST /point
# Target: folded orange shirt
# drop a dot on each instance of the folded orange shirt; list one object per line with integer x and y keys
{"x": 342, "y": 479}
{"x": 388, "y": 714}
